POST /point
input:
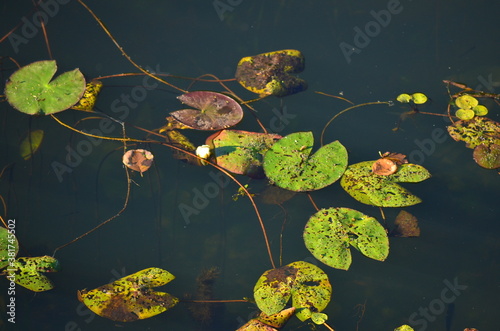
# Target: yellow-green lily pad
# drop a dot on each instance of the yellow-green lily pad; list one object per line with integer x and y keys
{"x": 290, "y": 165}
{"x": 31, "y": 89}
{"x": 465, "y": 114}
{"x": 477, "y": 131}
{"x": 305, "y": 283}
{"x": 466, "y": 102}
{"x": 28, "y": 271}
{"x": 131, "y": 298}
{"x": 480, "y": 110}
{"x": 382, "y": 191}
{"x": 330, "y": 232}
{"x": 419, "y": 98}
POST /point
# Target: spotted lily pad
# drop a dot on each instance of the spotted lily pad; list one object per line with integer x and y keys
{"x": 305, "y": 283}
{"x": 131, "y": 298}
{"x": 487, "y": 156}
{"x": 382, "y": 191}
{"x": 477, "y": 131}
{"x": 270, "y": 73}
{"x": 8, "y": 247}
{"x": 330, "y": 232}
{"x": 31, "y": 89}
{"x": 27, "y": 271}
{"x": 289, "y": 165}
{"x": 241, "y": 152}
{"x": 89, "y": 98}
{"x": 214, "y": 111}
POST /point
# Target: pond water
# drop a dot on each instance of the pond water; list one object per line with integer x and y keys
{"x": 364, "y": 51}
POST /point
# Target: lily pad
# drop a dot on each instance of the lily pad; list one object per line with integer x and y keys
{"x": 305, "y": 283}
{"x": 487, "y": 156}
{"x": 138, "y": 159}
{"x": 466, "y": 102}
{"x": 270, "y": 73}
{"x": 214, "y": 111}
{"x": 277, "y": 320}
{"x": 465, "y": 114}
{"x": 8, "y": 247}
{"x": 289, "y": 165}
{"x": 405, "y": 328}
{"x": 329, "y": 233}
{"x": 477, "y": 131}
{"x": 27, "y": 271}
{"x": 30, "y": 144}
{"x": 242, "y": 152}
{"x": 131, "y": 298}
{"x": 89, "y": 98}
{"x": 382, "y": 191}
{"x": 31, "y": 91}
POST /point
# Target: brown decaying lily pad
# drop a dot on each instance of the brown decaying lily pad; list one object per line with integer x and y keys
{"x": 384, "y": 167}
{"x": 406, "y": 225}
{"x": 487, "y": 156}
{"x": 214, "y": 111}
{"x": 138, "y": 159}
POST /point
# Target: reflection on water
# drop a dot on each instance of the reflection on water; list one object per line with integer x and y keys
{"x": 412, "y": 51}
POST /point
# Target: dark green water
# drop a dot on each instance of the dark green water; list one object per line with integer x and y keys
{"x": 411, "y": 50}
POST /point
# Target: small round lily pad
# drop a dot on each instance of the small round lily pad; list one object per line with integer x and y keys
{"x": 32, "y": 90}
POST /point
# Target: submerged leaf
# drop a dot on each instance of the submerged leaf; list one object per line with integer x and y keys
{"x": 30, "y": 144}
{"x": 270, "y": 73}
{"x": 487, "y": 156}
{"x": 382, "y": 191}
{"x": 28, "y": 270}
{"x": 289, "y": 165}
{"x": 31, "y": 89}
{"x": 329, "y": 233}
{"x": 131, "y": 298}
{"x": 214, "y": 111}
{"x": 406, "y": 225}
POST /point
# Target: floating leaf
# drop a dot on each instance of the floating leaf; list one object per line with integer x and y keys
{"x": 277, "y": 320}
{"x": 329, "y": 233}
{"x": 270, "y": 73}
{"x": 382, "y": 191}
{"x": 242, "y": 152}
{"x": 384, "y": 167}
{"x": 8, "y": 247}
{"x": 487, "y": 156}
{"x": 305, "y": 283}
{"x": 466, "y": 102}
{"x": 30, "y": 144}
{"x": 479, "y": 130}
{"x": 465, "y": 114}
{"x": 480, "y": 110}
{"x": 419, "y": 98}
{"x": 28, "y": 270}
{"x": 31, "y": 91}
{"x": 138, "y": 159}
{"x": 289, "y": 164}
{"x": 405, "y": 328}
{"x": 256, "y": 325}
{"x": 89, "y": 98}
{"x": 404, "y": 98}
{"x": 214, "y": 111}
{"x": 131, "y": 298}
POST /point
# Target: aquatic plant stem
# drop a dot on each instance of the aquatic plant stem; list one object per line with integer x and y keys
{"x": 98, "y": 20}
{"x": 347, "y": 109}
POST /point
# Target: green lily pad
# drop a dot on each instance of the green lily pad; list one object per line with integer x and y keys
{"x": 382, "y": 191}
{"x": 289, "y": 165}
{"x": 465, "y": 114}
{"x": 31, "y": 91}
{"x": 214, "y": 111}
{"x": 270, "y": 73}
{"x": 479, "y": 130}
{"x": 480, "y": 110}
{"x": 28, "y": 271}
{"x": 131, "y": 298}
{"x": 466, "y": 102}
{"x": 487, "y": 156}
{"x": 8, "y": 247}
{"x": 329, "y": 233}
{"x": 305, "y": 283}
{"x": 241, "y": 152}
